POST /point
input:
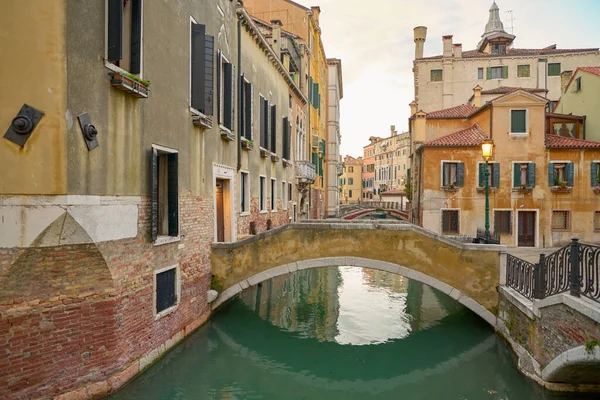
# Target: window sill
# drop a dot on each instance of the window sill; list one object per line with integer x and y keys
{"x": 450, "y": 189}
{"x": 597, "y": 190}
{"x": 482, "y": 189}
{"x": 247, "y": 144}
{"x": 226, "y": 134}
{"x": 201, "y": 120}
{"x": 125, "y": 84}
{"x": 245, "y": 214}
{"x": 518, "y": 134}
{"x": 522, "y": 190}
{"x": 274, "y": 211}
{"x": 263, "y": 212}
{"x": 560, "y": 189}
{"x": 286, "y": 163}
{"x": 274, "y": 157}
{"x": 163, "y": 239}
{"x": 166, "y": 312}
{"x": 264, "y": 152}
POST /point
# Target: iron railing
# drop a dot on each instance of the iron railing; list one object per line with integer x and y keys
{"x": 574, "y": 268}
{"x": 493, "y": 238}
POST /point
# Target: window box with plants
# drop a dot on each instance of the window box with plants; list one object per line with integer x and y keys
{"x": 561, "y": 187}
{"x": 480, "y": 189}
{"x": 247, "y": 144}
{"x": 523, "y": 189}
{"x": 450, "y": 188}
{"x": 129, "y": 83}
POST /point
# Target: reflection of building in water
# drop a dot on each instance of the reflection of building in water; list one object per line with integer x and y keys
{"x": 381, "y": 279}
{"x": 305, "y": 302}
{"x": 428, "y": 306}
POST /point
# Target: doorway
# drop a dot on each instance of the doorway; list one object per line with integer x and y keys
{"x": 526, "y": 228}
{"x": 220, "y": 210}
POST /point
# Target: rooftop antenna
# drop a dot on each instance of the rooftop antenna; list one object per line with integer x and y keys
{"x": 512, "y": 23}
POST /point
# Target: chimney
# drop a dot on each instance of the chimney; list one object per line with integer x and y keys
{"x": 413, "y": 108}
{"x": 419, "y": 127}
{"x": 565, "y": 77}
{"x": 477, "y": 96}
{"x": 276, "y": 36}
{"x": 447, "y": 39}
{"x": 393, "y": 130}
{"x": 458, "y": 50}
{"x": 420, "y": 34}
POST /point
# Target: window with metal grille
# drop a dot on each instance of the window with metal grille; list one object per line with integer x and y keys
{"x": 503, "y": 222}
{"x": 523, "y": 71}
{"x": 553, "y": 69}
{"x": 596, "y": 221}
{"x": 124, "y": 34}
{"x": 166, "y": 289}
{"x": 518, "y": 121}
{"x": 450, "y": 222}
{"x": 165, "y": 193}
{"x": 436, "y": 75}
{"x": 561, "y": 220}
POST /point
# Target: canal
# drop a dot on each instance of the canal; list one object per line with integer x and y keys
{"x": 339, "y": 333}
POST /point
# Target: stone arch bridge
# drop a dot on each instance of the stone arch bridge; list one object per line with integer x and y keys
{"x": 355, "y": 210}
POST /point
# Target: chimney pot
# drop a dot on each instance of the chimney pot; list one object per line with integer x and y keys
{"x": 477, "y": 96}
{"x": 458, "y": 50}
{"x": 420, "y": 34}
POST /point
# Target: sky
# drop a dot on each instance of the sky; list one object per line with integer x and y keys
{"x": 374, "y": 40}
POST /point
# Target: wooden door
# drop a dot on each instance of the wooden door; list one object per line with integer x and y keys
{"x": 220, "y": 210}
{"x": 526, "y": 232}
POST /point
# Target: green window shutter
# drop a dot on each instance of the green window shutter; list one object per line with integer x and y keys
{"x": 518, "y": 121}
{"x": 460, "y": 174}
{"x": 321, "y": 167}
{"x": 531, "y": 175}
{"x": 154, "y": 195}
{"x": 198, "y": 54}
{"x": 551, "y": 174}
{"x": 488, "y": 73}
{"x": 115, "y": 30}
{"x": 570, "y": 174}
{"x": 496, "y": 175}
{"x": 505, "y": 72}
{"x": 173, "y": 194}
{"x": 310, "y": 88}
{"x": 594, "y": 174}
{"x": 481, "y": 175}
{"x": 516, "y": 175}
{"x": 553, "y": 69}
{"x": 314, "y": 159}
{"x": 136, "y": 37}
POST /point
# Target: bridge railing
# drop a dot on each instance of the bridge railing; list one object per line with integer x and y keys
{"x": 574, "y": 268}
{"x": 387, "y": 205}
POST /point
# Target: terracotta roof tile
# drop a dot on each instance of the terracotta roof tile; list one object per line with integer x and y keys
{"x": 472, "y": 136}
{"x": 508, "y": 89}
{"x": 562, "y": 142}
{"x": 518, "y": 52}
{"x": 460, "y": 111}
{"x": 591, "y": 70}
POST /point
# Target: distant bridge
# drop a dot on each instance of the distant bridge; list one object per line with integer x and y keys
{"x": 355, "y": 210}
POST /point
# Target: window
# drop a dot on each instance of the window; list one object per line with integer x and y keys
{"x": 565, "y": 129}
{"x": 165, "y": 193}
{"x": 499, "y": 48}
{"x": 561, "y": 220}
{"x": 289, "y": 198}
{"x": 273, "y": 194}
{"x": 244, "y": 193}
{"x": 202, "y": 69}
{"x": 497, "y": 72}
{"x": 350, "y": 181}
{"x": 262, "y": 199}
{"x": 264, "y": 122}
{"x": 226, "y": 87}
{"x": 518, "y": 121}
{"x": 595, "y": 174}
{"x": 450, "y": 224}
{"x": 597, "y": 221}
{"x": 553, "y": 69}
{"x": 578, "y": 84}
{"x": 124, "y": 35}
{"x": 286, "y": 139}
{"x": 494, "y": 174}
{"x": 523, "y": 71}
{"x": 284, "y": 199}
{"x": 452, "y": 174}
{"x": 248, "y": 114}
{"x": 166, "y": 289}
{"x": 479, "y": 73}
{"x": 436, "y": 75}
{"x": 350, "y": 169}
{"x": 561, "y": 174}
{"x": 350, "y": 193}
{"x": 503, "y": 222}
{"x": 273, "y": 143}
{"x": 524, "y": 175}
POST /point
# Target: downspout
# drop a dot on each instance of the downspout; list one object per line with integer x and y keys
{"x": 491, "y": 122}
{"x": 240, "y": 99}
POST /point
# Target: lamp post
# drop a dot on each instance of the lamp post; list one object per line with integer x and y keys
{"x": 487, "y": 149}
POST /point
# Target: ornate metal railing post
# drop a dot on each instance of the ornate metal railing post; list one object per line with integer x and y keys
{"x": 575, "y": 284}
{"x": 539, "y": 286}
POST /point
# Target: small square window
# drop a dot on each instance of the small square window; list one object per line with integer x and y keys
{"x": 553, "y": 69}
{"x": 450, "y": 222}
{"x": 503, "y": 222}
{"x": 436, "y": 75}
{"x": 166, "y": 289}
{"x": 561, "y": 220}
{"x": 523, "y": 71}
{"x": 479, "y": 73}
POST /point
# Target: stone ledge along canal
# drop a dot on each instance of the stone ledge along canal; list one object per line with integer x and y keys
{"x": 340, "y": 333}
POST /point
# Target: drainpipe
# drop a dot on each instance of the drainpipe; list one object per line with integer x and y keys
{"x": 240, "y": 99}
{"x": 491, "y": 123}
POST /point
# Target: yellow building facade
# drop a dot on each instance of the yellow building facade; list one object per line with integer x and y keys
{"x": 350, "y": 181}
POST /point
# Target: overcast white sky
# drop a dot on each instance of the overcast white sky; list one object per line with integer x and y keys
{"x": 374, "y": 39}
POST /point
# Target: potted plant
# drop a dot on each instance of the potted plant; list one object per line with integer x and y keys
{"x": 560, "y": 187}
{"x": 130, "y": 83}
{"x": 523, "y": 188}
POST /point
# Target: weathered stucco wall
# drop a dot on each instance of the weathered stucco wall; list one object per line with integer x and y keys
{"x": 474, "y": 272}
{"x": 583, "y": 102}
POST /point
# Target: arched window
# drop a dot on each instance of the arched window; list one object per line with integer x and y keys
{"x": 350, "y": 193}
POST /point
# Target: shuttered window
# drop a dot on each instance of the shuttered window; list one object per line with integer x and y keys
{"x": 165, "y": 194}
{"x": 436, "y": 75}
{"x": 450, "y": 222}
{"x": 273, "y": 147}
{"x": 524, "y": 175}
{"x": 497, "y": 72}
{"x": 523, "y": 71}
{"x": 553, "y": 69}
{"x": 166, "y": 289}
{"x": 503, "y": 222}
{"x": 518, "y": 121}
{"x": 595, "y": 174}
{"x": 227, "y": 98}
{"x": 453, "y": 174}
{"x": 124, "y": 34}
{"x": 248, "y": 110}
{"x": 494, "y": 175}
{"x": 561, "y": 174}
{"x": 264, "y": 125}
{"x": 286, "y": 139}
{"x": 202, "y": 69}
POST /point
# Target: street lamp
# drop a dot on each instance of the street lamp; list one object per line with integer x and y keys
{"x": 487, "y": 150}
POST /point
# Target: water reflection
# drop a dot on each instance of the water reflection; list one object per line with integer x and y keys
{"x": 339, "y": 333}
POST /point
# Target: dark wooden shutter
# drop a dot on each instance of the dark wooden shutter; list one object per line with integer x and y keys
{"x": 496, "y": 175}
{"x": 248, "y": 110}
{"x": 232, "y": 98}
{"x": 198, "y": 66}
{"x": 460, "y": 174}
{"x": 219, "y": 77}
{"x": 154, "y": 194}
{"x": 516, "y": 175}
{"x": 209, "y": 75}
{"x": 173, "y": 194}
{"x": 285, "y": 139}
{"x": 165, "y": 290}
{"x": 115, "y": 30}
{"x": 594, "y": 175}
{"x": 310, "y": 89}
{"x": 274, "y": 128}
{"x": 136, "y": 37}
{"x": 531, "y": 175}
{"x": 570, "y": 174}
{"x": 551, "y": 174}
{"x": 263, "y": 123}
{"x": 227, "y": 96}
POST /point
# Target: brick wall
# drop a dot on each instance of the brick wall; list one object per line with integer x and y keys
{"x": 93, "y": 319}
{"x": 278, "y": 218}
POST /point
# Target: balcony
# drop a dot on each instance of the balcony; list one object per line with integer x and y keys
{"x": 305, "y": 172}
{"x": 315, "y": 142}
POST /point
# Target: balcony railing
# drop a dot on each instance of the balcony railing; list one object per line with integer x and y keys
{"x": 305, "y": 172}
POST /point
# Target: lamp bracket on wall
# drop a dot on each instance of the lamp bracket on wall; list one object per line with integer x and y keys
{"x": 89, "y": 131}
{"x": 23, "y": 125}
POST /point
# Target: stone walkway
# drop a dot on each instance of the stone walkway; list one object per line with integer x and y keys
{"x": 530, "y": 254}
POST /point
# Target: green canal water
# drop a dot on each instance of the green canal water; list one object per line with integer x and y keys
{"x": 339, "y": 333}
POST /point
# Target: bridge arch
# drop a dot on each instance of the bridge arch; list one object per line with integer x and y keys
{"x": 576, "y": 365}
{"x": 397, "y": 269}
